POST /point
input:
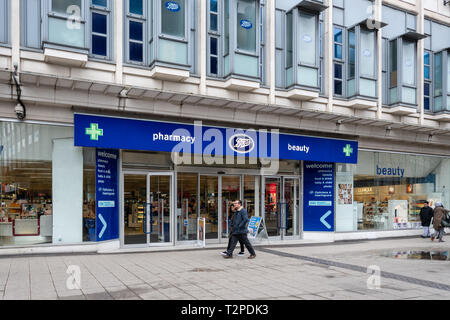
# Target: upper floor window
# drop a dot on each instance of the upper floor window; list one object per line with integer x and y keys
{"x": 362, "y": 57}
{"x": 66, "y": 23}
{"x": 101, "y": 46}
{"x": 160, "y": 32}
{"x": 338, "y": 65}
{"x": 235, "y": 38}
{"x": 427, "y": 87}
{"x": 302, "y": 47}
{"x": 403, "y": 69}
{"x": 4, "y": 21}
{"x": 442, "y": 81}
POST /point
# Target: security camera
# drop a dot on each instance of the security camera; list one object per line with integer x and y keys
{"x": 20, "y": 111}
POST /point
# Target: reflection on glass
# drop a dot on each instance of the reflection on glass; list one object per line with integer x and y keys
{"x": 187, "y": 206}
{"x": 159, "y": 215}
{"x": 135, "y": 200}
{"x": 209, "y": 199}
{"x": 272, "y": 203}
{"x": 230, "y": 193}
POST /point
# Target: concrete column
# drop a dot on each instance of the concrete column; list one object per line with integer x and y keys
{"x": 328, "y": 55}
{"x": 270, "y": 49}
{"x": 202, "y": 39}
{"x": 420, "y": 61}
{"x": 15, "y": 33}
{"x": 378, "y": 16}
{"x": 118, "y": 40}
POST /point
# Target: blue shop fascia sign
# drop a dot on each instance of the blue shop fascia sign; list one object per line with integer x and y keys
{"x": 148, "y": 135}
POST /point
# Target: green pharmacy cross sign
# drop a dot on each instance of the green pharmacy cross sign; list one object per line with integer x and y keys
{"x": 94, "y": 132}
{"x": 348, "y": 150}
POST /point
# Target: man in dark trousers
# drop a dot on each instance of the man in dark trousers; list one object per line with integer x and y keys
{"x": 241, "y": 253}
{"x": 426, "y": 214}
{"x": 239, "y": 230}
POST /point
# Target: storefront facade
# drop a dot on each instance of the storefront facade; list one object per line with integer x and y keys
{"x": 328, "y": 119}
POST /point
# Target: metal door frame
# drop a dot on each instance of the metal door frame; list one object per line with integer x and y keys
{"x": 147, "y": 174}
{"x": 282, "y": 178}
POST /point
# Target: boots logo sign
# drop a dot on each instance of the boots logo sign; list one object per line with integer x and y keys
{"x": 242, "y": 143}
{"x": 246, "y": 24}
{"x": 173, "y": 6}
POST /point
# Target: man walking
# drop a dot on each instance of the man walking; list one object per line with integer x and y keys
{"x": 426, "y": 214}
{"x": 241, "y": 253}
{"x": 239, "y": 230}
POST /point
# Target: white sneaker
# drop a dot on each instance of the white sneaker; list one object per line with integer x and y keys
{"x": 240, "y": 254}
{"x": 224, "y": 253}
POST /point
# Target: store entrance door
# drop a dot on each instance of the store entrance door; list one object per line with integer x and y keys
{"x": 209, "y": 205}
{"x": 280, "y": 196}
{"x": 231, "y": 191}
{"x": 148, "y": 208}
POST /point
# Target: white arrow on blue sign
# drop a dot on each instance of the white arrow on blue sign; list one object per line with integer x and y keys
{"x": 100, "y": 235}
{"x": 326, "y": 224}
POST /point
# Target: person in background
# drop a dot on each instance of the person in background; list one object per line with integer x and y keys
{"x": 440, "y": 214}
{"x": 239, "y": 230}
{"x": 426, "y": 214}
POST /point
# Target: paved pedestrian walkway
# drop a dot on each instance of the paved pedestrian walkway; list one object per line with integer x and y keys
{"x": 311, "y": 272}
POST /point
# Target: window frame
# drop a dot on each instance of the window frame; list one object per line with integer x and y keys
{"x": 143, "y": 19}
{"x": 339, "y": 61}
{"x": 428, "y": 81}
{"x": 49, "y": 13}
{"x": 109, "y": 12}
{"x": 6, "y": 41}
{"x": 217, "y": 34}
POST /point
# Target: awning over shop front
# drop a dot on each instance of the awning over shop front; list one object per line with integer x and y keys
{"x": 148, "y": 135}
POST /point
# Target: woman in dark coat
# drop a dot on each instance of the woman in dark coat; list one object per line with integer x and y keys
{"x": 439, "y": 214}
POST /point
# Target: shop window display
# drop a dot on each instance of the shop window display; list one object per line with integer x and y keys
{"x": 26, "y": 213}
{"x": 385, "y": 191}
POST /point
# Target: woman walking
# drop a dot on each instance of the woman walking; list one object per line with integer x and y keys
{"x": 440, "y": 214}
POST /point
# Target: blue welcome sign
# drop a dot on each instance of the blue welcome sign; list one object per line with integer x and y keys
{"x": 246, "y": 24}
{"x": 318, "y": 199}
{"x": 146, "y": 135}
{"x": 107, "y": 194}
{"x": 173, "y": 6}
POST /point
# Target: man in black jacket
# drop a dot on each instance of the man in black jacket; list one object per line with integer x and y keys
{"x": 239, "y": 230}
{"x": 426, "y": 213}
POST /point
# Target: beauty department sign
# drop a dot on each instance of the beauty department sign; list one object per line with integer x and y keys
{"x": 179, "y": 138}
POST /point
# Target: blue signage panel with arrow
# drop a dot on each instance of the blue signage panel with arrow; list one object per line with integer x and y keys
{"x": 107, "y": 195}
{"x": 318, "y": 199}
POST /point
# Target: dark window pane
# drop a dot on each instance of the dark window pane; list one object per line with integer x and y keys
{"x": 99, "y": 23}
{"x": 99, "y": 45}
{"x": 136, "y": 7}
{"x": 426, "y": 57}
{"x": 337, "y": 87}
{"x": 426, "y": 71}
{"x": 337, "y": 51}
{"x": 101, "y": 3}
{"x": 213, "y": 22}
{"x": 426, "y": 89}
{"x": 338, "y": 35}
{"x": 213, "y": 5}
{"x": 338, "y": 71}
{"x": 213, "y": 46}
{"x": 426, "y": 103}
{"x": 136, "y": 31}
{"x": 213, "y": 65}
{"x": 136, "y": 51}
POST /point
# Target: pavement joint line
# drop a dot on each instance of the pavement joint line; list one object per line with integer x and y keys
{"x": 383, "y": 274}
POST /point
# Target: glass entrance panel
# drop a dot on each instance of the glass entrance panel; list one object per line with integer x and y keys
{"x": 187, "y": 206}
{"x": 209, "y": 204}
{"x": 231, "y": 191}
{"x": 135, "y": 200}
{"x": 290, "y": 203}
{"x": 158, "y": 226}
{"x": 272, "y": 192}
